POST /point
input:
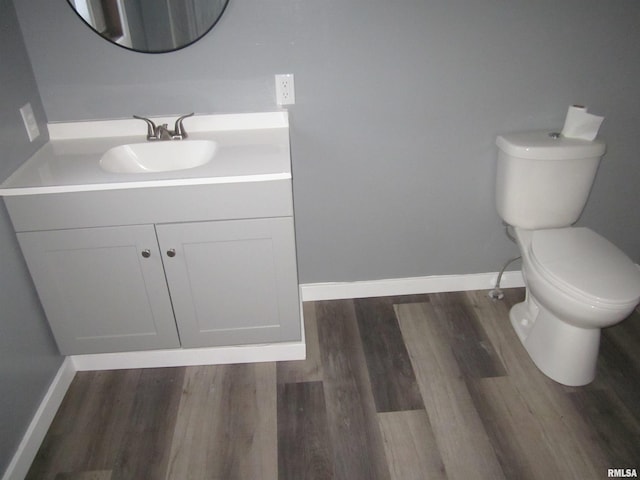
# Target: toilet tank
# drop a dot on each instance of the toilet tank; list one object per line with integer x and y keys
{"x": 544, "y": 179}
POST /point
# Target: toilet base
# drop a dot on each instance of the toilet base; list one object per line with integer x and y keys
{"x": 563, "y": 352}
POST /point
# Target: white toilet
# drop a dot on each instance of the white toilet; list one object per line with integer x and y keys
{"x": 577, "y": 281}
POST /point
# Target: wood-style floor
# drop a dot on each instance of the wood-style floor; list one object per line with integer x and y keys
{"x": 416, "y": 387}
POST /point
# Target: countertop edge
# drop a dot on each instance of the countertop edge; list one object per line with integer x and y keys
{"x": 21, "y": 191}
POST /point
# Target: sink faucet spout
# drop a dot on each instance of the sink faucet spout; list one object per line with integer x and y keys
{"x": 163, "y": 133}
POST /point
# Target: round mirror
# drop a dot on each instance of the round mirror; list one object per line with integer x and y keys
{"x": 150, "y": 26}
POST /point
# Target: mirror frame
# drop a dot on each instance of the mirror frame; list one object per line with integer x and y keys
{"x": 116, "y": 28}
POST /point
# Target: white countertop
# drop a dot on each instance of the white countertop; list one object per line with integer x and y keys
{"x": 252, "y": 147}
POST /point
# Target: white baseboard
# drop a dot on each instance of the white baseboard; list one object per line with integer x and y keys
{"x": 191, "y": 356}
{"x": 408, "y": 286}
{"x": 32, "y": 439}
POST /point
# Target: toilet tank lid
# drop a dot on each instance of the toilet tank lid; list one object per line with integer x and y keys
{"x": 543, "y": 145}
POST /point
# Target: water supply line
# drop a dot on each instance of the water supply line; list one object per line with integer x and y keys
{"x": 497, "y": 293}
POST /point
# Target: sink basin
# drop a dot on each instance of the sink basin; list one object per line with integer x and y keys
{"x": 159, "y": 156}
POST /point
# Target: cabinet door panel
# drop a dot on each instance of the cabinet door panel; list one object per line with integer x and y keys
{"x": 232, "y": 282}
{"x": 98, "y": 291}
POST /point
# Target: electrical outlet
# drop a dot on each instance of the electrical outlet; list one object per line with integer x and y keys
{"x": 285, "y": 91}
{"x": 30, "y": 122}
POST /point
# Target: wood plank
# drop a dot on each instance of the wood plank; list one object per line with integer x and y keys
{"x": 73, "y": 403}
{"x": 358, "y": 450}
{"x": 93, "y": 433}
{"x": 511, "y": 297}
{"x": 625, "y": 337}
{"x": 309, "y": 369}
{"x": 145, "y": 447}
{"x": 107, "y": 421}
{"x": 619, "y": 362}
{"x": 617, "y": 370}
{"x": 201, "y": 395}
{"x": 393, "y": 381}
{"x": 50, "y": 458}
{"x": 92, "y": 475}
{"x": 304, "y": 446}
{"x": 410, "y": 446}
{"x": 616, "y": 429}
{"x": 461, "y": 438}
{"x": 411, "y": 298}
{"x": 226, "y": 426}
{"x": 514, "y": 430}
{"x": 471, "y": 346}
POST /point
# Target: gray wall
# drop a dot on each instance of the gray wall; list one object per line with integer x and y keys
{"x": 29, "y": 358}
{"x": 398, "y": 105}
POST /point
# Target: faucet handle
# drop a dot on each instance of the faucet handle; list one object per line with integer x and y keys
{"x": 151, "y": 128}
{"x": 178, "y": 130}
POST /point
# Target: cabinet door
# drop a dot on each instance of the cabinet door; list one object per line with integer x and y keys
{"x": 232, "y": 282}
{"x": 99, "y": 292}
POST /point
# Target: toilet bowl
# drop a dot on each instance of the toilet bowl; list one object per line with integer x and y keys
{"x": 577, "y": 283}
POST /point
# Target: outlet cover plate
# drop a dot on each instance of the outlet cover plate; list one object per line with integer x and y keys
{"x": 285, "y": 90}
{"x": 30, "y": 123}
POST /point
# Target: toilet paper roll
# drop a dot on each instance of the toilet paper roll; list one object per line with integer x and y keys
{"x": 581, "y": 124}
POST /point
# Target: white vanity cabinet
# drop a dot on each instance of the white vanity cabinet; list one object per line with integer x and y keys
{"x": 174, "y": 267}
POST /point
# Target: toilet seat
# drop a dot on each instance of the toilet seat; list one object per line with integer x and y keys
{"x": 586, "y": 266}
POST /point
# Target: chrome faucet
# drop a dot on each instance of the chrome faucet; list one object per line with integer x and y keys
{"x": 162, "y": 132}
